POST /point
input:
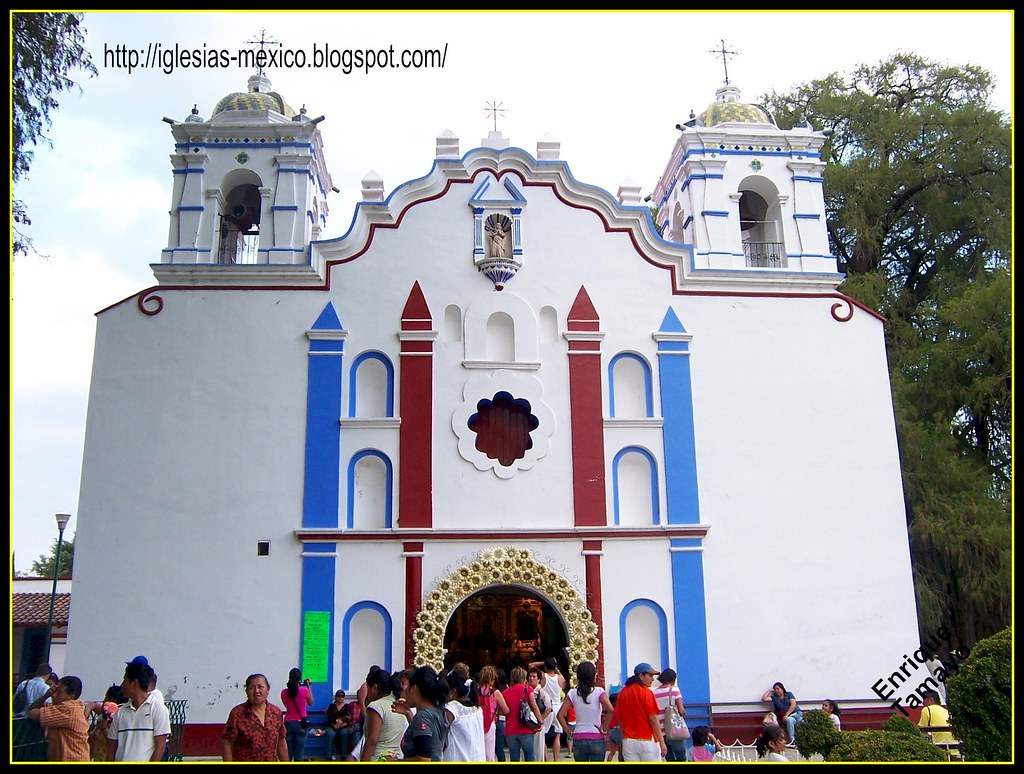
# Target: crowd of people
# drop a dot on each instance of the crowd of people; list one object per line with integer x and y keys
{"x": 419, "y": 714}
{"x": 415, "y": 714}
{"x": 131, "y": 723}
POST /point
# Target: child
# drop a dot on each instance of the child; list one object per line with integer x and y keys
{"x": 614, "y": 732}
{"x": 705, "y": 745}
{"x": 570, "y": 720}
{"x": 831, "y": 709}
{"x": 106, "y": 710}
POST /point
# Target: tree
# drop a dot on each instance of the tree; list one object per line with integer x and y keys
{"x": 917, "y": 197}
{"x": 43, "y": 566}
{"x": 47, "y": 46}
{"x": 981, "y": 700}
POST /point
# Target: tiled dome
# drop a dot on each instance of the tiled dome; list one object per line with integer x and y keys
{"x": 727, "y": 109}
{"x": 259, "y": 97}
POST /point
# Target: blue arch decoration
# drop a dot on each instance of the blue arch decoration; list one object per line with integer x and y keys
{"x": 648, "y": 386}
{"x": 655, "y": 504}
{"x": 346, "y": 636}
{"x": 662, "y": 635}
{"x": 353, "y": 371}
{"x": 388, "y": 485}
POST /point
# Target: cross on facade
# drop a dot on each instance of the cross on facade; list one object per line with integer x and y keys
{"x": 262, "y": 42}
{"x": 724, "y": 52}
{"x": 494, "y": 108}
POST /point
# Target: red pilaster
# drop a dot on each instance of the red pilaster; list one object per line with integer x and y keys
{"x": 592, "y": 559}
{"x": 587, "y": 421}
{"x": 416, "y": 365}
{"x": 413, "y": 553}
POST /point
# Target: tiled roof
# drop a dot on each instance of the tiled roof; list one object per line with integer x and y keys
{"x": 34, "y": 609}
{"x": 733, "y": 112}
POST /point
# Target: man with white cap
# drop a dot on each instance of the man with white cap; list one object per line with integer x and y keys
{"x": 639, "y": 718}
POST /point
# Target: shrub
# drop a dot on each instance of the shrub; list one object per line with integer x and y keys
{"x": 884, "y": 746}
{"x": 816, "y": 734}
{"x": 979, "y": 700}
{"x": 900, "y": 724}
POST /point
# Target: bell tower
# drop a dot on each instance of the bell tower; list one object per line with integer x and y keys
{"x": 746, "y": 194}
{"x": 250, "y": 183}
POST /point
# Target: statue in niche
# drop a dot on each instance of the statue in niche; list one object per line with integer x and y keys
{"x": 499, "y": 236}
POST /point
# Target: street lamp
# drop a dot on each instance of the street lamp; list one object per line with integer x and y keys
{"x": 62, "y": 522}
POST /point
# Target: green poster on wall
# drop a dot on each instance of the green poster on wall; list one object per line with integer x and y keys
{"x": 316, "y": 637}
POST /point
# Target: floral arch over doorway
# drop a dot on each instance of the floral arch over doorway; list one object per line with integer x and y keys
{"x": 505, "y": 566}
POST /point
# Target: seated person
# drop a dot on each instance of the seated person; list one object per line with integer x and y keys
{"x": 343, "y": 726}
{"x": 934, "y": 715}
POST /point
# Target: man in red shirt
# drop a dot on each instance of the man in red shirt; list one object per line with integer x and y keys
{"x": 638, "y": 715}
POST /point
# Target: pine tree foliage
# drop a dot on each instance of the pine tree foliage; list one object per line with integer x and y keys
{"x": 917, "y": 188}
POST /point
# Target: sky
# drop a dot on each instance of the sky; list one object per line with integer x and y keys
{"x": 610, "y": 87}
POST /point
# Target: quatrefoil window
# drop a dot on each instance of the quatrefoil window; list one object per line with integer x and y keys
{"x": 502, "y": 426}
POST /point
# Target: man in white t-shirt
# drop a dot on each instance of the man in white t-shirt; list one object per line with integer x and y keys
{"x": 141, "y": 726}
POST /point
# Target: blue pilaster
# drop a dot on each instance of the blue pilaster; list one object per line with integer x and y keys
{"x": 690, "y": 619}
{"x": 321, "y": 481}
{"x": 677, "y": 410}
{"x": 689, "y": 612}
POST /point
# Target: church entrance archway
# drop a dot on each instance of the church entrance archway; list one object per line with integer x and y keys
{"x": 505, "y": 568}
{"x": 505, "y": 626}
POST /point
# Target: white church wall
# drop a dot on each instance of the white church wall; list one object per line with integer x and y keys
{"x": 370, "y": 485}
{"x": 368, "y": 573}
{"x": 196, "y": 439}
{"x": 367, "y": 646}
{"x": 192, "y": 455}
{"x": 646, "y": 563}
{"x": 799, "y": 478}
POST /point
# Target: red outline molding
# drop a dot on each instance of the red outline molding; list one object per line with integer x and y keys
{"x": 502, "y": 536}
{"x": 148, "y": 294}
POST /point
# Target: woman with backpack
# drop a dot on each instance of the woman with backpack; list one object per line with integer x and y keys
{"x": 524, "y": 719}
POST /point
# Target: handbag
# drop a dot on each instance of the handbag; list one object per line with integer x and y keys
{"x": 526, "y": 716}
{"x": 675, "y": 726}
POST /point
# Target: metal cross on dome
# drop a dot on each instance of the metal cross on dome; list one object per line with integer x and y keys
{"x": 724, "y": 52}
{"x": 494, "y": 108}
{"x": 263, "y": 42}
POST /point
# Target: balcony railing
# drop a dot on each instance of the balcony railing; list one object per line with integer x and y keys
{"x": 239, "y": 247}
{"x": 764, "y": 254}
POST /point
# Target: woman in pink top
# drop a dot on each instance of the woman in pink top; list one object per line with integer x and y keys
{"x": 296, "y": 698}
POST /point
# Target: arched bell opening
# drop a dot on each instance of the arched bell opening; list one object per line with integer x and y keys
{"x": 761, "y": 223}
{"x": 240, "y": 219}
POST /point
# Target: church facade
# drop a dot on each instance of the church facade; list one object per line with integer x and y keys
{"x": 506, "y": 414}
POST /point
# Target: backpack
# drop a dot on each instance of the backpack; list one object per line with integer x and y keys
{"x": 20, "y": 703}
